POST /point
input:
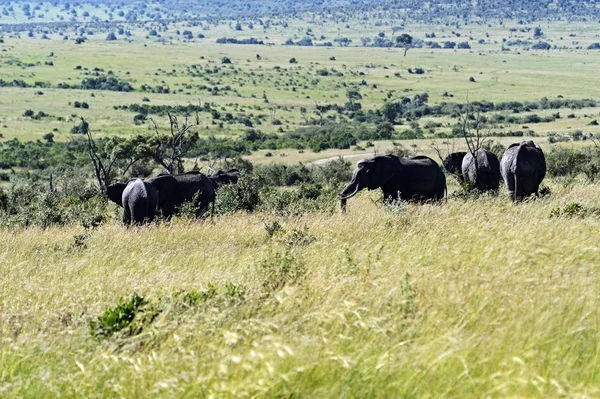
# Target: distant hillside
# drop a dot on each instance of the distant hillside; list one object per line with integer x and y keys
{"x": 25, "y": 11}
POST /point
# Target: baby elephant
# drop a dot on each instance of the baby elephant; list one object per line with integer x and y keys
{"x": 139, "y": 198}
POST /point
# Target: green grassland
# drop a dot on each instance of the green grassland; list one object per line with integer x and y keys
{"x": 470, "y": 298}
{"x": 499, "y": 76}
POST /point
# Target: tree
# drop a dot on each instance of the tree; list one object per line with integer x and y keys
{"x": 343, "y": 41}
{"x": 111, "y": 36}
{"x": 390, "y": 111}
{"x": 471, "y": 125}
{"x": 537, "y": 32}
{"x": 353, "y": 94}
{"x": 321, "y": 110}
{"x": 405, "y": 40}
{"x": 169, "y": 149}
{"x": 49, "y": 137}
{"x": 118, "y": 155}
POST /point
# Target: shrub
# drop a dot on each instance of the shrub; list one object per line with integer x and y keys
{"x": 567, "y": 162}
{"x": 243, "y": 196}
{"x": 541, "y": 46}
{"x": 116, "y": 319}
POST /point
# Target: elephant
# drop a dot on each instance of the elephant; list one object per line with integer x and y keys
{"x": 523, "y": 167}
{"x": 416, "y": 179}
{"x": 453, "y": 164}
{"x": 483, "y": 170}
{"x": 219, "y": 177}
{"x": 139, "y": 198}
{"x": 186, "y": 187}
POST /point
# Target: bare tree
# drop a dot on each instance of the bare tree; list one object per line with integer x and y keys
{"x": 436, "y": 148}
{"x": 471, "y": 126}
{"x": 169, "y": 148}
{"x": 273, "y": 111}
{"x": 119, "y": 155}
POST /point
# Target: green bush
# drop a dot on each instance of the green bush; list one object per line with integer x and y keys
{"x": 567, "y": 162}
{"x": 243, "y": 196}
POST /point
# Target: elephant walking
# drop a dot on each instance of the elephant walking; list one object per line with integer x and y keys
{"x": 453, "y": 164}
{"x": 523, "y": 168}
{"x": 139, "y": 198}
{"x": 410, "y": 179}
{"x": 483, "y": 170}
{"x": 192, "y": 187}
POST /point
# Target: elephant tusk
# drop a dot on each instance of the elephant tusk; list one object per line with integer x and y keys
{"x": 351, "y": 195}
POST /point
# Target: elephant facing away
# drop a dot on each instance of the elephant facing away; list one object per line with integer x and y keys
{"x": 453, "y": 164}
{"x": 187, "y": 187}
{"x": 483, "y": 170}
{"x": 139, "y": 198}
{"x": 416, "y": 179}
{"x": 523, "y": 168}
{"x": 219, "y": 177}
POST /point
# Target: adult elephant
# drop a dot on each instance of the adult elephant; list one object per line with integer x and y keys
{"x": 139, "y": 198}
{"x": 523, "y": 167}
{"x": 219, "y": 177}
{"x": 192, "y": 187}
{"x": 482, "y": 170}
{"x": 453, "y": 164}
{"x": 410, "y": 179}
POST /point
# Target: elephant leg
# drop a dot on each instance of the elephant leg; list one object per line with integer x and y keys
{"x": 167, "y": 210}
{"x": 519, "y": 193}
{"x": 126, "y": 217}
{"x": 151, "y": 213}
{"x": 509, "y": 181}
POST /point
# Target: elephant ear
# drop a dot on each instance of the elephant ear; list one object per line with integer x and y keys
{"x": 381, "y": 170}
{"x": 166, "y": 185}
{"x": 115, "y": 193}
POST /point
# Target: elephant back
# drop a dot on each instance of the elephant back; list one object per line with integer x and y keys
{"x": 486, "y": 162}
{"x": 421, "y": 160}
{"x": 507, "y": 163}
{"x": 530, "y": 160}
{"x": 191, "y": 183}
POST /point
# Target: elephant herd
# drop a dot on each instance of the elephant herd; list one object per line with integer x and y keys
{"x": 421, "y": 179}
{"x": 140, "y": 199}
{"x": 416, "y": 179}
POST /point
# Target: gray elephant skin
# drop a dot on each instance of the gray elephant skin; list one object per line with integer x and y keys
{"x": 139, "y": 198}
{"x": 482, "y": 170}
{"x": 416, "y": 179}
{"x": 187, "y": 187}
{"x": 523, "y": 168}
{"x": 453, "y": 164}
{"x": 219, "y": 177}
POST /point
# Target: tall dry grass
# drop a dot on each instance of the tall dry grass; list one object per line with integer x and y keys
{"x": 470, "y": 298}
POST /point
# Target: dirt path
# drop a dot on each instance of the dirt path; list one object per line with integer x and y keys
{"x": 325, "y": 160}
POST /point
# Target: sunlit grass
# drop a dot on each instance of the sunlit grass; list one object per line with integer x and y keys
{"x": 467, "y": 298}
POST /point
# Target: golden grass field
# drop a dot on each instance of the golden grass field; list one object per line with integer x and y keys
{"x": 472, "y": 297}
{"x": 468, "y": 298}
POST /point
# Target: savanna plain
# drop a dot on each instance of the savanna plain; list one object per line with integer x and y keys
{"x": 276, "y": 292}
